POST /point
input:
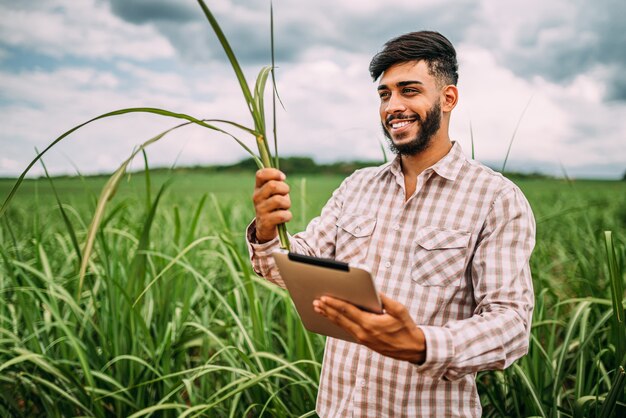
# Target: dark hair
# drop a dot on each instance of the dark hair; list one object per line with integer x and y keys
{"x": 431, "y": 47}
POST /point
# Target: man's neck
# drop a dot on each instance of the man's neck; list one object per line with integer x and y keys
{"x": 413, "y": 165}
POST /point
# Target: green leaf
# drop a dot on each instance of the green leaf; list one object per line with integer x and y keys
{"x": 259, "y": 90}
{"x": 66, "y": 219}
{"x": 245, "y": 89}
{"x": 138, "y": 265}
{"x": 616, "y": 393}
{"x": 617, "y": 296}
{"x": 152, "y": 110}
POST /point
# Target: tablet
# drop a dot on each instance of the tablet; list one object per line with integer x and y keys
{"x": 308, "y": 278}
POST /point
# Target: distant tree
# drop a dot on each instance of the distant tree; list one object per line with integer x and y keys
{"x": 624, "y": 176}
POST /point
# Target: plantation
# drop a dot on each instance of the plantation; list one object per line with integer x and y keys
{"x": 136, "y": 297}
{"x": 170, "y": 320}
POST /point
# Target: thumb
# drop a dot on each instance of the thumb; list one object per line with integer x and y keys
{"x": 393, "y": 308}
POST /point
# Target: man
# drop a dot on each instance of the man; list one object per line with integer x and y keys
{"x": 446, "y": 239}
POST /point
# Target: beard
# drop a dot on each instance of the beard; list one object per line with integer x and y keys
{"x": 427, "y": 129}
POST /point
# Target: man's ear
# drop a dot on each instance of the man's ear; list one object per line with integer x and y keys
{"x": 450, "y": 97}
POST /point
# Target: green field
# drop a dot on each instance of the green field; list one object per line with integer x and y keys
{"x": 170, "y": 320}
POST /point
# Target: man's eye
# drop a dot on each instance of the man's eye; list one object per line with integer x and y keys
{"x": 383, "y": 95}
{"x": 410, "y": 91}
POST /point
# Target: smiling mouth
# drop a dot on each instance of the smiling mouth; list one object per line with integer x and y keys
{"x": 398, "y": 124}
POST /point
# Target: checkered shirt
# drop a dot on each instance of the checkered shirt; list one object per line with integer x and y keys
{"x": 455, "y": 254}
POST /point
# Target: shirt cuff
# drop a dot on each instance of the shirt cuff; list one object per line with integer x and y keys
{"x": 264, "y": 249}
{"x": 439, "y": 351}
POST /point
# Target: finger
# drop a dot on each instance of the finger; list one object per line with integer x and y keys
{"x": 276, "y": 202}
{"x": 266, "y": 174}
{"x": 270, "y": 220}
{"x": 269, "y": 189}
{"x": 348, "y": 310}
{"x": 395, "y": 309}
{"x": 338, "y": 317}
{"x": 391, "y": 306}
{"x": 269, "y": 214}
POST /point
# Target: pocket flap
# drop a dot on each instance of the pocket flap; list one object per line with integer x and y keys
{"x": 357, "y": 225}
{"x": 431, "y": 238}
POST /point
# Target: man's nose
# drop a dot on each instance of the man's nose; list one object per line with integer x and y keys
{"x": 395, "y": 105}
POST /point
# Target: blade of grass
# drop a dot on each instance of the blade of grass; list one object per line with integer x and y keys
{"x": 559, "y": 374}
{"x": 617, "y": 296}
{"x": 274, "y": 90}
{"x": 233, "y": 62}
{"x": 616, "y": 392}
{"x": 259, "y": 90}
{"x": 156, "y": 111}
{"x": 66, "y": 219}
{"x": 508, "y": 151}
{"x": 535, "y": 396}
{"x": 579, "y": 385}
{"x": 196, "y": 218}
{"x": 138, "y": 265}
{"x": 147, "y": 178}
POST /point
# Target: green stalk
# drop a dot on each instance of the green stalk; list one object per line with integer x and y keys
{"x": 617, "y": 296}
{"x": 254, "y": 102}
{"x": 267, "y": 162}
{"x": 617, "y": 391}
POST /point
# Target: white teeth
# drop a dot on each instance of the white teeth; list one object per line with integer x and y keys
{"x": 399, "y": 124}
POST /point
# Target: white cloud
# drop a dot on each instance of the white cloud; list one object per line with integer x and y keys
{"x": 563, "y": 124}
{"x": 61, "y": 28}
{"x": 493, "y": 99}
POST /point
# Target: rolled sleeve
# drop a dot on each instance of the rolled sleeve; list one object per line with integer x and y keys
{"x": 261, "y": 255}
{"x": 498, "y": 332}
{"x": 439, "y": 351}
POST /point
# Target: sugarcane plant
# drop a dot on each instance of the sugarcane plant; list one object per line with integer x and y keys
{"x": 254, "y": 100}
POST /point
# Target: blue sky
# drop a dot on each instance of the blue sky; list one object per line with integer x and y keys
{"x": 63, "y": 62}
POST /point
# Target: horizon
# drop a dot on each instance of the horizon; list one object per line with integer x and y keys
{"x": 138, "y": 168}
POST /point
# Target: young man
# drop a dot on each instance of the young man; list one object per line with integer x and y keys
{"x": 447, "y": 241}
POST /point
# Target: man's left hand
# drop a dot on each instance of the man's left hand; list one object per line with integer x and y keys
{"x": 392, "y": 333}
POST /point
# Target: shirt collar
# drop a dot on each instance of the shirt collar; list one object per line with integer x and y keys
{"x": 448, "y": 167}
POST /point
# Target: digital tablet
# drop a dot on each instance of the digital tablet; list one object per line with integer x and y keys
{"x": 308, "y": 278}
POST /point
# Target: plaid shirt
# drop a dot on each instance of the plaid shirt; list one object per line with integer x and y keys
{"x": 455, "y": 254}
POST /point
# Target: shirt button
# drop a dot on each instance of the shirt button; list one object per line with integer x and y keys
{"x": 362, "y": 383}
{"x": 388, "y": 264}
{"x": 396, "y": 227}
{"x": 357, "y": 229}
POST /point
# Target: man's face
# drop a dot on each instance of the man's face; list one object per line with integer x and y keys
{"x": 410, "y": 112}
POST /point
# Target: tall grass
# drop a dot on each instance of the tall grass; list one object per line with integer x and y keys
{"x": 171, "y": 320}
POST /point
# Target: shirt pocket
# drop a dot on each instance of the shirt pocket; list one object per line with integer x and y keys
{"x": 354, "y": 233}
{"x": 438, "y": 256}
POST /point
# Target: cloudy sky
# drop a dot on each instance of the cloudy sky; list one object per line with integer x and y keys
{"x": 65, "y": 61}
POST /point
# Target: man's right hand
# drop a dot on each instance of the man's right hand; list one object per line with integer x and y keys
{"x": 271, "y": 203}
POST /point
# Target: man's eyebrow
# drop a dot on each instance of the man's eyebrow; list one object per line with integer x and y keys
{"x": 408, "y": 83}
{"x": 400, "y": 84}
